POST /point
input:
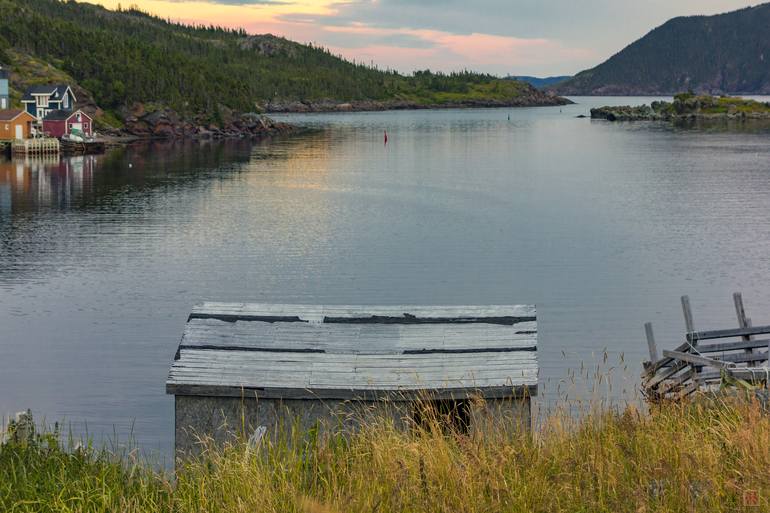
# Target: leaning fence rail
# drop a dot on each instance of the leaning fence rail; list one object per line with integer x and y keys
{"x": 707, "y": 359}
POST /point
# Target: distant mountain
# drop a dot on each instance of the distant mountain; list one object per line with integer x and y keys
{"x": 539, "y": 82}
{"x": 726, "y": 53}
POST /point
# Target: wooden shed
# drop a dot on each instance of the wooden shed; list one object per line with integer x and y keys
{"x": 243, "y": 366}
{"x": 15, "y": 124}
{"x": 58, "y": 123}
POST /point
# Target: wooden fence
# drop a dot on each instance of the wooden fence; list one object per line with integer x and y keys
{"x": 707, "y": 359}
{"x": 36, "y": 146}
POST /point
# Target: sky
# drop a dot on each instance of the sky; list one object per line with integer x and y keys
{"x": 502, "y": 37}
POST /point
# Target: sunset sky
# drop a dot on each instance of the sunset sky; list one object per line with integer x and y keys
{"x": 537, "y": 37}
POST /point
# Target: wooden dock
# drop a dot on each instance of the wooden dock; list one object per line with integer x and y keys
{"x": 267, "y": 366}
{"x": 706, "y": 360}
{"x": 343, "y": 352}
{"x": 36, "y": 146}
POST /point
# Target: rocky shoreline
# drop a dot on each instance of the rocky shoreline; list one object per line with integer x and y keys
{"x": 146, "y": 121}
{"x": 626, "y": 113}
{"x": 687, "y": 107}
{"x": 141, "y": 122}
{"x": 645, "y": 113}
{"x": 296, "y": 106}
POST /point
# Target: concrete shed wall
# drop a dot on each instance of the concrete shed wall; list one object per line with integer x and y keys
{"x": 223, "y": 419}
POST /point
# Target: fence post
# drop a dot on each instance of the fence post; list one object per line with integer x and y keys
{"x": 651, "y": 342}
{"x": 688, "y": 322}
{"x": 743, "y": 321}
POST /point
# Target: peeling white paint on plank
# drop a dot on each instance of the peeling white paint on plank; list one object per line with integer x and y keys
{"x": 289, "y": 347}
{"x": 315, "y": 312}
{"x": 376, "y": 338}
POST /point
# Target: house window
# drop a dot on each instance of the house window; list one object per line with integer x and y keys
{"x": 42, "y": 101}
{"x": 66, "y": 101}
{"x": 3, "y": 103}
{"x": 79, "y": 118}
{"x": 7, "y": 126}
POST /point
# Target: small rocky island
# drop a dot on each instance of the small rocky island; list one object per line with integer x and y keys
{"x": 688, "y": 107}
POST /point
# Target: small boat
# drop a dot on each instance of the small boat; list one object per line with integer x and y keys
{"x": 75, "y": 137}
{"x": 79, "y": 143}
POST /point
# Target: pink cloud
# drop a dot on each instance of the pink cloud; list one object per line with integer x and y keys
{"x": 404, "y": 49}
{"x": 449, "y": 51}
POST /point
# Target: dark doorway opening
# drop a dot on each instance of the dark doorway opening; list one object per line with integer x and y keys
{"x": 451, "y": 416}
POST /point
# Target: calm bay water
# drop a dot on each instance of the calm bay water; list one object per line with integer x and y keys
{"x": 602, "y": 226}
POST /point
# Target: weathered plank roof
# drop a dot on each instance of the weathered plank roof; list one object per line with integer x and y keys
{"x": 302, "y": 351}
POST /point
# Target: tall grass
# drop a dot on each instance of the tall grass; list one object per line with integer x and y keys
{"x": 711, "y": 455}
{"x": 40, "y": 473}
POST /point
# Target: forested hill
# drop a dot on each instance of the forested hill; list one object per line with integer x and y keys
{"x": 128, "y": 56}
{"x": 726, "y": 53}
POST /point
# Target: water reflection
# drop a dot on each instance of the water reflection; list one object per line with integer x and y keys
{"x": 52, "y": 182}
{"x": 734, "y": 126}
{"x": 44, "y": 182}
{"x": 601, "y": 225}
{"x": 41, "y": 197}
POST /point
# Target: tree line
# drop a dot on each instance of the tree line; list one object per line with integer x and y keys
{"x": 128, "y": 55}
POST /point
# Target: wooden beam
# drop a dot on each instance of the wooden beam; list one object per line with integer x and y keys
{"x": 671, "y": 384}
{"x": 689, "y": 389}
{"x": 740, "y": 310}
{"x": 707, "y": 376}
{"x": 665, "y": 374}
{"x": 696, "y": 360}
{"x": 744, "y": 373}
{"x": 651, "y": 342}
{"x": 363, "y": 313}
{"x": 741, "y": 358}
{"x": 733, "y": 346}
{"x": 749, "y": 357}
{"x": 663, "y": 362}
{"x": 739, "y": 332}
{"x": 687, "y": 311}
{"x": 743, "y": 322}
{"x": 502, "y": 392}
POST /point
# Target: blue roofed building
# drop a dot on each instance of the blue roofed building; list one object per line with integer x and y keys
{"x": 40, "y": 100}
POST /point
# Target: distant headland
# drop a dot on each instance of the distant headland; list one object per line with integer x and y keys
{"x": 722, "y": 54}
{"x": 687, "y": 106}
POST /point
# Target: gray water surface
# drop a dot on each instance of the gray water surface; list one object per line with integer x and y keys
{"x": 602, "y": 225}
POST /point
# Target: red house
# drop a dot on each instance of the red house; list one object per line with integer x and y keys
{"x": 60, "y": 122}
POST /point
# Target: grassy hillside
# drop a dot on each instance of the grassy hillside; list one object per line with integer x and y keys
{"x": 727, "y": 53}
{"x": 129, "y": 56}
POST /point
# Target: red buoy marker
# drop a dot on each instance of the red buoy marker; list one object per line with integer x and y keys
{"x": 386, "y": 137}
